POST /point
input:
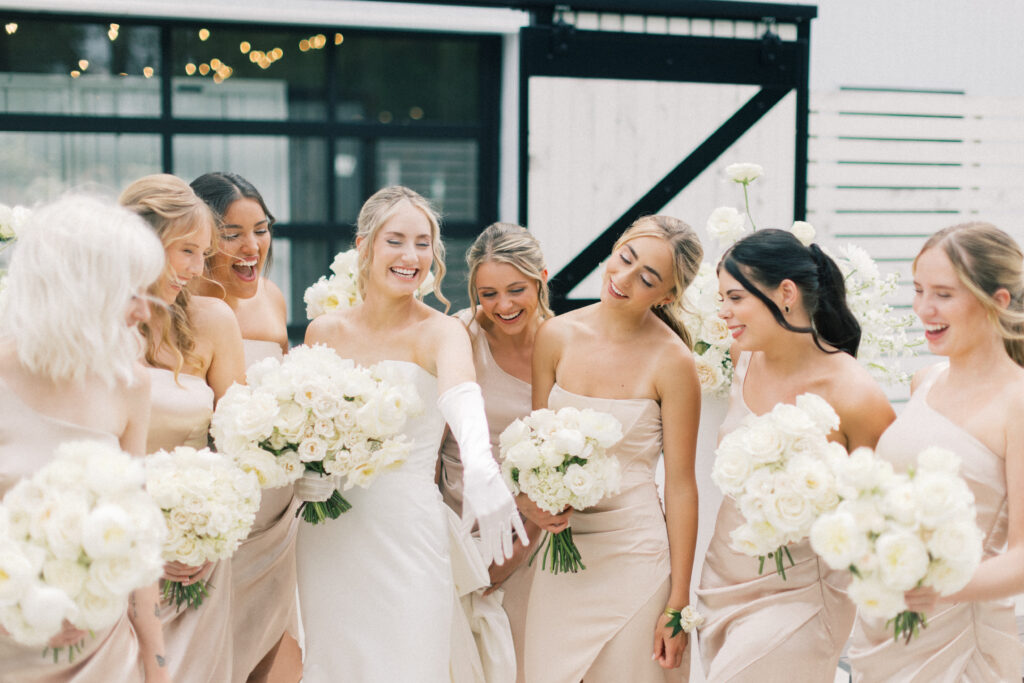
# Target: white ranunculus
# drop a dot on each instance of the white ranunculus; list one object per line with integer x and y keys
{"x": 837, "y": 538}
{"x": 744, "y": 172}
{"x": 727, "y": 225}
{"x": 803, "y": 232}
{"x": 874, "y": 599}
{"x": 903, "y": 559}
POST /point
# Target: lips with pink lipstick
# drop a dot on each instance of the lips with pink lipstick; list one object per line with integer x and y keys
{"x": 508, "y": 319}
{"x": 245, "y": 269}
{"x": 404, "y": 273}
{"x": 737, "y": 331}
{"x": 615, "y": 291}
{"x": 933, "y": 331}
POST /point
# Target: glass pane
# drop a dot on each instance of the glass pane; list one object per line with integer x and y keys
{"x": 290, "y": 173}
{"x": 348, "y": 191}
{"x": 444, "y": 171}
{"x": 306, "y": 260}
{"x": 222, "y": 73}
{"x": 40, "y": 166}
{"x": 408, "y": 79}
{"x": 80, "y": 68}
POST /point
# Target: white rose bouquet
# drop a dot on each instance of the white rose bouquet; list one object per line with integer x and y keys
{"x": 209, "y": 505}
{"x": 316, "y": 414}
{"x": 710, "y": 334}
{"x": 560, "y": 460}
{"x": 341, "y": 290}
{"x": 777, "y": 468}
{"x": 896, "y": 532}
{"x": 76, "y": 538}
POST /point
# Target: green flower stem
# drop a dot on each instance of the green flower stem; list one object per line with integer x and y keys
{"x": 561, "y": 551}
{"x": 315, "y": 513}
{"x": 780, "y": 567}
{"x": 72, "y": 650}
{"x": 180, "y": 594}
{"x": 746, "y": 201}
{"x": 906, "y": 625}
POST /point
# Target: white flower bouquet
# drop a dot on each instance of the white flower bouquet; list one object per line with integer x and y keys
{"x": 777, "y": 468}
{"x": 896, "y": 532}
{"x": 710, "y": 334}
{"x": 209, "y": 505}
{"x": 341, "y": 290}
{"x": 76, "y": 538}
{"x": 560, "y": 461}
{"x": 319, "y": 414}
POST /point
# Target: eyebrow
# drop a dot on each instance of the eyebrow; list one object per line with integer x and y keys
{"x": 735, "y": 290}
{"x": 646, "y": 267}
{"x": 949, "y": 287}
{"x": 395, "y": 233}
{"x": 511, "y": 284}
{"x": 234, "y": 226}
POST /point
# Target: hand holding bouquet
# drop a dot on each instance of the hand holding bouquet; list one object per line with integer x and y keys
{"x": 209, "y": 505}
{"x": 560, "y": 460}
{"x": 777, "y": 468}
{"x": 76, "y": 538}
{"x": 896, "y": 532}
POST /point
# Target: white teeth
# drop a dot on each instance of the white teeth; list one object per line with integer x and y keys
{"x": 935, "y": 328}
{"x": 510, "y": 317}
{"x": 404, "y": 272}
{"x": 248, "y": 262}
{"x": 616, "y": 289}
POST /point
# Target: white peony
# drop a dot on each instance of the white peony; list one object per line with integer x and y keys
{"x": 875, "y": 599}
{"x": 903, "y": 559}
{"x": 837, "y": 538}
{"x": 941, "y": 497}
{"x": 957, "y": 542}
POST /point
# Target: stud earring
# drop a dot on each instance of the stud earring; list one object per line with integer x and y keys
{"x": 786, "y": 308}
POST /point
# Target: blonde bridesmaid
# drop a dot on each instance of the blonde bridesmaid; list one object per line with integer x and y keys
{"x": 969, "y": 295}
{"x": 785, "y": 305}
{"x": 264, "y": 611}
{"x": 75, "y": 293}
{"x": 509, "y": 295}
{"x": 629, "y": 356}
{"x": 193, "y": 353}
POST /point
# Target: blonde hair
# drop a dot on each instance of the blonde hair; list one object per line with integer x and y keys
{"x": 986, "y": 259}
{"x": 515, "y": 245}
{"x": 377, "y": 210}
{"x": 76, "y": 266}
{"x": 174, "y": 211}
{"x": 687, "y": 253}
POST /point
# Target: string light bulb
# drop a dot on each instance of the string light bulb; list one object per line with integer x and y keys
{"x": 204, "y": 34}
{"x": 11, "y": 28}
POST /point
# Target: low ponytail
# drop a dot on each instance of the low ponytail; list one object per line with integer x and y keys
{"x": 834, "y": 321}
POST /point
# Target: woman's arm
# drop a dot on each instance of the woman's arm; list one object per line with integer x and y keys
{"x": 679, "y": 390}
{"x": 546, "y": 352}
{"x": 216, "y": 325}
{"x": 866, "y": 414}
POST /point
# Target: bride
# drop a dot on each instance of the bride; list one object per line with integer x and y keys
{"x": 376, "y": 584}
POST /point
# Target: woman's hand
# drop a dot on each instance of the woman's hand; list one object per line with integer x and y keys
{"x": 924, "y": 600}
{"x": 185, "y": 574}
{"x": 668, "y": 649}
{"x": 543, "y": 519}
{"x": 69, "y": 635}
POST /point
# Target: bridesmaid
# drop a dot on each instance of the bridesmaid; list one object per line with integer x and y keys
{"x": 193, "y": 353}
{"x": 68, "y": 371}
{"x": 785, "y": 305}
{"x": 264, "y": 610}
{"x": 509, "y": 292}
{"x": 629, "y": 356}
{"x": 969, "y": 295}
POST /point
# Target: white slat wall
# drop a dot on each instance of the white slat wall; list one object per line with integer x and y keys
{"x": 887, "y": 168}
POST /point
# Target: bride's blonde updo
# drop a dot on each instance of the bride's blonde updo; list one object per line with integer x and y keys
{"x": 377, "y": 210}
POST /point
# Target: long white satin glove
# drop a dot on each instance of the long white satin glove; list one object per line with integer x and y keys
{"x": 485, "y": 496}
{"x": 315, "y": 488}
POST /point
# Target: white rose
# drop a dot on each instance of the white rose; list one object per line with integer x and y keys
{"x": 107, "y": 532}
{"x": 600, "y": 427}
{"x": 579, "y": 480}
{"x": 16, "y": 571}
{"x": 714, "y": 330}
{"x": 903, "y": 559}
{"x": 865, "y": 512}
{"x": 568, "y": 441}
{"x": 515, "y": 433}
{"x": 900, "y": 503}
{"x": 754, "y": 539}
{"x": 875, "y": 599}
{"x": 291, "y": 420}
{"x": 792, "y": 421}
{"x": 551, "y": 456}
{"x": 789, "y": 510}
{"x": 119, "y": 576}
{"x": 836, "y": 538}
{"x": 744, "y": 173}
{"x": 941, "y": 497}
{"x": 727, "y": 225}
{"x": 316, "y": 299}
{"x": 935, "y": 459}
{"x": 543, "y": 421}
{"x": 958, "y": 541}
{"x": 763, "y": 441}
{"x": 819, "y": 410}
{"x": 525, "y": 455}
{"x": 44, "y": 608}
{"x": 97, "y": 609}
{"x": 949, "y": 577}
{"x": 803, "y": 232}
{"x": 813, "y": 479}
{"x": 709, "y": 374}
{"x": 731, "y": 469}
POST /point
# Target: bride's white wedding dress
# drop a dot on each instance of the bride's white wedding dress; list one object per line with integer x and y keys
{"x": 375, "y": 585}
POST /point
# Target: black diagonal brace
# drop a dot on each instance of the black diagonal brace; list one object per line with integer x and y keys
{"x": 661, "y": 194}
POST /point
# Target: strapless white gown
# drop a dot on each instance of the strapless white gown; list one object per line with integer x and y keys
{"x": 376, "y": 584}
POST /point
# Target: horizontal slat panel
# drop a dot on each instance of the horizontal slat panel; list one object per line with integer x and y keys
{"x": 889, "y": 127}
{"x": 974, "y": 198}
{"x": 916, "y": 103}
{"x": 892, "y": 245}
{"x": 829, "y": 223}
{"x": 820, "y": 174}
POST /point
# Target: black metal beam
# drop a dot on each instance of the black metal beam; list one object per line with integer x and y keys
{"x": 803, "y": 98}
{"x": 662, "y": 193}
{"x": 561, "y": 51}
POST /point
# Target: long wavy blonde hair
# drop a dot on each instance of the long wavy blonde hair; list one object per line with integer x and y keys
{"x": 174, "y": 211}
{"x": 515, "y": 245}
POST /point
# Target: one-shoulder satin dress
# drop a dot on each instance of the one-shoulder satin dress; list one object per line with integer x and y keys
{"x": 761, "y": 628}
{"x": 27, "y": 441}
{"x": 968, "y": 641}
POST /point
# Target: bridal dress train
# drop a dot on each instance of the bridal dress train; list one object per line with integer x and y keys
{"x": 968, "y": 641}
{"x": 198, "y": 641}
{"x": 263, "y": 601}
{"x": 28, "y": 439}
{"x": 760, "y": 627}
{"x": 379, "y": 601}
{"x": 598, "y": 625}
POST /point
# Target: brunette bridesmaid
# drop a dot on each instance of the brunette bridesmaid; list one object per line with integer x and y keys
{"x": 264, "y": 611}
{"x": 969, "y": 295}
{"x": 629, "y": 356}
{"x": 785, "y": 304}
{"x": 194, "y": 353}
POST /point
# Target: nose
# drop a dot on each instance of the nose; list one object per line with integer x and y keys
{"x": 196, "y": 264}
{"x": 250, "y": 245}
{"x": 138, "y": 311}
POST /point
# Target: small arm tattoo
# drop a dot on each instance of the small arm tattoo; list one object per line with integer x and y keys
{"x": 156, "y": 609}
{"x": 160, "y": 661}
{"x": 135, "y": 610}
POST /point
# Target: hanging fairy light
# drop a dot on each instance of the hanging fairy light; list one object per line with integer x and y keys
{"x": 147, "y": 72}
{"x": 244, "y": 47}
{"x": 204, "y": 34}
{"x": 11, "y": 28}
{"x": 190, "y": 69}
{"x": 338, "y": 39}
{"x": 204, "y": 69}
{"x": 75, "y": 73}
{"x": 112, "y": 32}
{"x": 83, "y": 64}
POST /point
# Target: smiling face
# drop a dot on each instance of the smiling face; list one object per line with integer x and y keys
{"x": 507, "y": 297}
{"x": 951, "y": 315}
{"x": 244, "y": 244}
{"x": 750, "y": 322}
{"x": 640, "y": 273}
{"x": 401, "y": 251}
{"x": 186, "y": 251}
